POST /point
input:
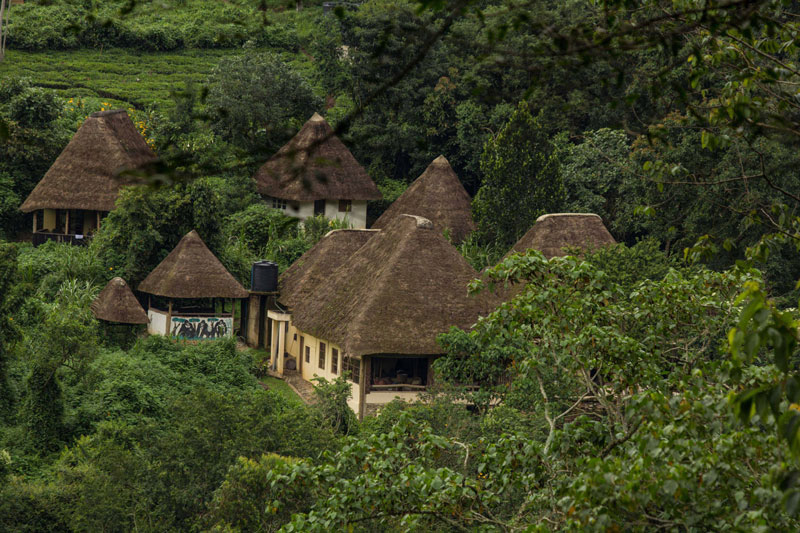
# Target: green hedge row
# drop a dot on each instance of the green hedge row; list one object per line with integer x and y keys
{"x": 207, "y": 25}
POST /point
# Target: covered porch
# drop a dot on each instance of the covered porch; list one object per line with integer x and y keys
{"x": 73, "y": 226}
{"x": 390, "y": 376}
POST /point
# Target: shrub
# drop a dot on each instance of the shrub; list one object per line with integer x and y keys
{"x": 34, "y": 108}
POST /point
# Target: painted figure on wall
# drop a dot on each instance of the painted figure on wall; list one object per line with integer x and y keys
{"x": 201, "y": 328}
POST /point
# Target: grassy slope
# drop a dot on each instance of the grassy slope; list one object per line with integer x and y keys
{"x": 138, "y": 79}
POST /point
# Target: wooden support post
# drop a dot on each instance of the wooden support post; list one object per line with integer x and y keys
{"x": 362, "y": 389}
{"x": 66, "y": 224}
{"x": 35, "y": 216}
{"x": 98, "y": 220}
{"x": 169, "y": 319}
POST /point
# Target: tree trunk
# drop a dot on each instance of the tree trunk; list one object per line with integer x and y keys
{"x": 3, "y": 27}
{"x": 299, "y": 4}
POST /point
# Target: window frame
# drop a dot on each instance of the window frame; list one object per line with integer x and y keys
{"x": 334, "y": 361}
{"x": 322, "y": 353}
{"x": 352, "y": 365}
{"x": 347, "y": 204}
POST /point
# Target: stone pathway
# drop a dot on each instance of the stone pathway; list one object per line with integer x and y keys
{"x": 301, "y": 387}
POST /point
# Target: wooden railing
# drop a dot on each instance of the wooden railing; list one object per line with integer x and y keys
{"x": 42, "y": 237}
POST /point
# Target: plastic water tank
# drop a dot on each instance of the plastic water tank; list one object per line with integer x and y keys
{"x": 264, "y": 277}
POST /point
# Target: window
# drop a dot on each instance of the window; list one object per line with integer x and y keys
{"x": 353, "y": 366}
{"x": 304, "y": 349}
{"x": 277, "y": 203}
{"x": 345, "y": 206}
{"x": 322, "y": 349}
{"x": 334, "y": 361}
{"x": 319, "y": 207}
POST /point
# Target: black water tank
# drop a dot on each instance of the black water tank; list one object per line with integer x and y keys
{"x": 264, "y": 277}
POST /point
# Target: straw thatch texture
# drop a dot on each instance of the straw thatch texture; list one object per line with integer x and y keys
{"x": 301, "y": 280}
{"x": 395, "y": 294}
{"x": 83, "y": 175}
{"x": 116, "y": 303}
{"x": 438, "y": 196}
{"x": 192, "y": 271}
{"x": 308, "y": 168}
{"x": 552, "y": 233}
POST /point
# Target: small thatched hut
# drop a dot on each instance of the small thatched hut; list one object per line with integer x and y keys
{"x": 438, "y": 196}
{"x": 190, "y": 280}
{"x": 314, "y": 173}
{"x": 116, "y": 303}
{"x": 377, "y": 315}
{"x": 81, "y": 188}
{"x": 552, "y": 234}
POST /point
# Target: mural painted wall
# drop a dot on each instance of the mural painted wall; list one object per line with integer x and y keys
{"x": 193, "y": 328}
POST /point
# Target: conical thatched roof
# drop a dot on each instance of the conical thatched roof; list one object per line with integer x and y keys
{"x": 116, "y": 303}
{"x": 395, "y": 294}
{"x": 192, "y": 271}
{"x": 309, "y": 168}
{"x": 301, "y": 280}
{"x": 552, "y": 233}
{"x": 438, "y": 196}
{"x": 82, "y": 177}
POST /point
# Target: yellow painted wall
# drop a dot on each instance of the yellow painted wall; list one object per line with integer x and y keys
{"x": 49, "y": 220}
{"x": 311, "y": 370}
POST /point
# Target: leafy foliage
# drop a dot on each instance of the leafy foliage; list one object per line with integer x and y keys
{"x": 522, "y": 180}
{"x": 257, "y": 102}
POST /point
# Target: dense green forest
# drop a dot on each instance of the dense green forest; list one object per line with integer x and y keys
{"x": 649, "y": 385}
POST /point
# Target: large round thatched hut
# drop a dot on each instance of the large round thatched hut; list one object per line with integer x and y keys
{"x": 315, "y": 174}
{"x": 82, "y": 186}
{"x": 438, "y": 196}
{"x": 378, "y": 313}
{"x": 192, "y": 294}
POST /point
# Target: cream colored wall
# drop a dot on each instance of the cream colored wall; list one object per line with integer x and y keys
{"x": 311, "y": 370}
{"x": 357, "y": 216}
{"x": 49, "y": 222}
{"x": 384, "y": 397}
{"x": 304, "y": 210}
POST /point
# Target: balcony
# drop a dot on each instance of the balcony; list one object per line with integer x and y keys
{"x": 40, "y": 237}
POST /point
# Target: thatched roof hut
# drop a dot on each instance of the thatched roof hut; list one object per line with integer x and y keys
{"x": 395, "y": 294}
{"x": 301, "y": 280}
{"x": 552, "y": 233}
{"x": 192, "y": 271}
{"x": 83, "y": 176}
{"x": 315, "y": 165}
{"x": 116, "y": 303}
{"x": 438, "y": 196}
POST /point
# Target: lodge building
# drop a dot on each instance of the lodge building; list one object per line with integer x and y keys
{"x": 82, "y": 186}
{"x": 315, "y": 174}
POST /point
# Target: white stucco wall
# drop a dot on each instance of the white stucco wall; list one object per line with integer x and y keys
{"x": 158, "y": 322}
{"x": 357, "y": 216}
